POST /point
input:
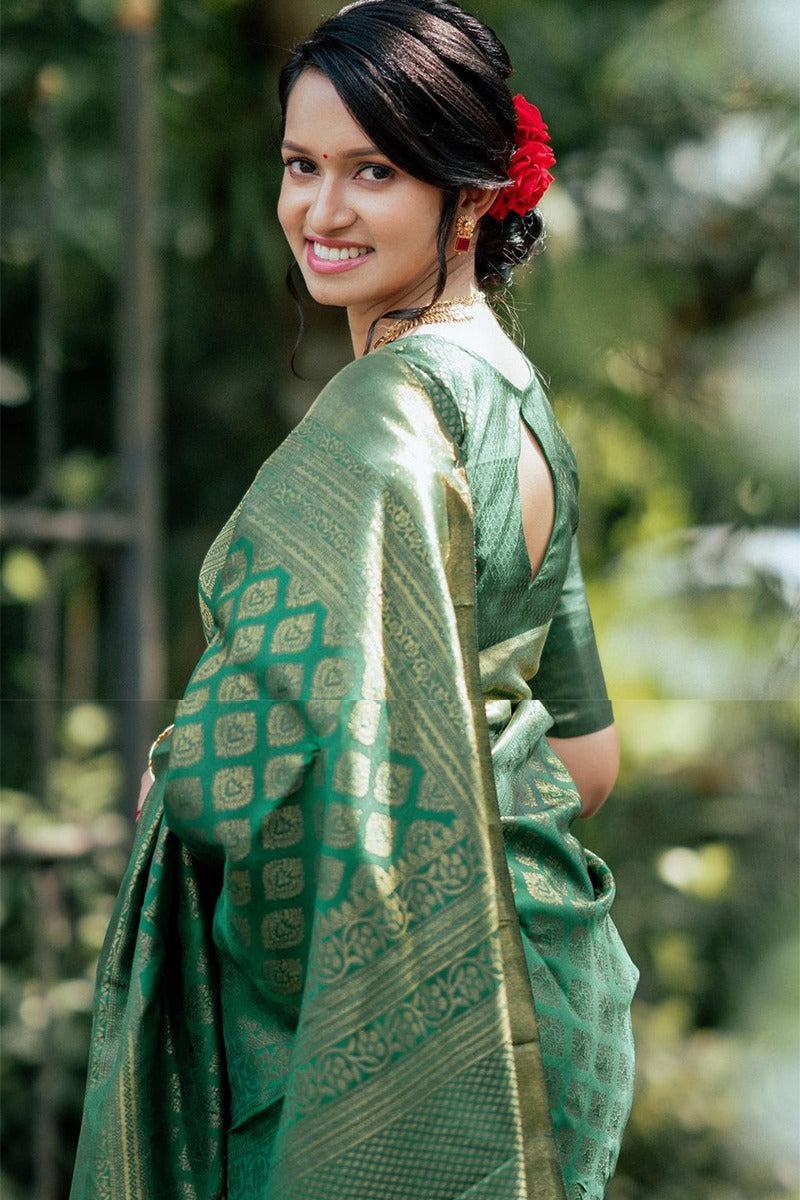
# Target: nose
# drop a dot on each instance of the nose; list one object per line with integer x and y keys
{"x": 329, "y": 208}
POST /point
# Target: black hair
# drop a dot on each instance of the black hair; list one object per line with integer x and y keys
{"x": 428, "y": 83}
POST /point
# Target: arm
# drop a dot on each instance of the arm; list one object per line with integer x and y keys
{"x": 592, "y": 760}
{"x": 570, "y": 680}
{"x": 570, "y": 683}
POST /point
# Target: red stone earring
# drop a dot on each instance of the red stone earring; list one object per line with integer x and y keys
{"x": 465, "y": 228}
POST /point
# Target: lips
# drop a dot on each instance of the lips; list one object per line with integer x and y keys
{"x": 328, "y": 260}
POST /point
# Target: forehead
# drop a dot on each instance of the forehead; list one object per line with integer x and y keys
{"x": 315, "y": 113}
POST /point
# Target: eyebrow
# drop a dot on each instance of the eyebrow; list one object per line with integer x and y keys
{"x": 360, "y": 152}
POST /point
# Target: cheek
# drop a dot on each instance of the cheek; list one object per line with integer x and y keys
{"x": 289, "y": 210}
{"x": 417, "y": 224}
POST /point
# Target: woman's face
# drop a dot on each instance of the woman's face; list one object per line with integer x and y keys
{"x": 363, "y": 231}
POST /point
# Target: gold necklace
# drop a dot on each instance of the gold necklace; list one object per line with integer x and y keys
{"x": 442, "y": 312}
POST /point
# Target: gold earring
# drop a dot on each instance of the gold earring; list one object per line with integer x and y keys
{"x": 465, "y": 228}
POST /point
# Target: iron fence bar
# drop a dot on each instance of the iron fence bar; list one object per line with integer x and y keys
{"x": 46, "y": 653}
{"x": 60, "y": 842}
{"x": 48, "y": 904}
{"x": 142, "y": 673}
{"x": 46, "y": 627}
{"x": 26, "y": 522}
{"x": 48, "y": 422}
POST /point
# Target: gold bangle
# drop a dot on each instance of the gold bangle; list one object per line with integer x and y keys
{"x": 161, "y": 738}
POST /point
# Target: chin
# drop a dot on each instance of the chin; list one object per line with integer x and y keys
{"x": 333, "y": 293}
{"x": 329, "y": 297}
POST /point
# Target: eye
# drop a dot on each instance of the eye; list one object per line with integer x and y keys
{"x": 299, "y": 166}
{"x": 377, "y": 172}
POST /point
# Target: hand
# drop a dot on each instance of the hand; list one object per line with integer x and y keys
{"x": 144, "y": 788}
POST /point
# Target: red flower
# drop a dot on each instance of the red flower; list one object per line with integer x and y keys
{"x": 528, "y": 166}
{"x": 530, "y": 126}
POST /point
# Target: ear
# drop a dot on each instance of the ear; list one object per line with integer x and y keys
{"x": 475, "y": 202}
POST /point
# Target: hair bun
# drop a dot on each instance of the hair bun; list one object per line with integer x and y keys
{"x": 504, "y": 245}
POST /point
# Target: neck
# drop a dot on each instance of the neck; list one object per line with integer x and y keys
{"x": 460, "y": 284}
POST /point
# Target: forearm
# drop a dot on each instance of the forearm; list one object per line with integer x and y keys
{"x": 592, "y": 760}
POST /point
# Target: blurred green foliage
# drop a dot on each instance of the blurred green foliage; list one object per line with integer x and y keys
{"x": 664, "y": 315}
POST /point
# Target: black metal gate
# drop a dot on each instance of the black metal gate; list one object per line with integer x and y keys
{"x": 97, "y": 642}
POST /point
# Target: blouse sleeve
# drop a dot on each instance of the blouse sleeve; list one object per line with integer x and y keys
{"x": 570, "y": 680}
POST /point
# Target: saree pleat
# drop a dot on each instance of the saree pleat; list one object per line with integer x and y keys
{"x": 155, "y": 1115}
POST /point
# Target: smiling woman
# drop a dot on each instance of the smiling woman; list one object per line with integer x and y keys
{"x": 359, "y": 952}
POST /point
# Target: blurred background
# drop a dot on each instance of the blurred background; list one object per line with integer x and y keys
{"x": 145, "y": 375}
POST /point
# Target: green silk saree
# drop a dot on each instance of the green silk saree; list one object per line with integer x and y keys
{"x": 355, "y": 870}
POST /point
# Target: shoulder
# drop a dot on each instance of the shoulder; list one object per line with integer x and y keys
{"x": 381, "y": 420}
{"x": 390, "y": 396}
{"x": 448, "y": 376}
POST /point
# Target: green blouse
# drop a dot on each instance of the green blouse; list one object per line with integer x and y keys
{"x": 483, "y": 410}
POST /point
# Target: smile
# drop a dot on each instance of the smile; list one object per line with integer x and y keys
{"x": 327, "y": 259}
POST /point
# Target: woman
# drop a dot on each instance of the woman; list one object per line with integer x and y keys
{"x": 359, "y": 953}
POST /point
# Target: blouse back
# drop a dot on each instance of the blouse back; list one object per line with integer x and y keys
{"x": 482, "y": 410}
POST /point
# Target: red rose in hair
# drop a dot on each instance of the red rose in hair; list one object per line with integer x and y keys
{"x": 528, "y": 166}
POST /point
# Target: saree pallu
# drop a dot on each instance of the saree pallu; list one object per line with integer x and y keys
{"x": 315, "y": 985}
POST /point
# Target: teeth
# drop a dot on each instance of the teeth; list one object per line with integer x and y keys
{"x": 337, "y": 253}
